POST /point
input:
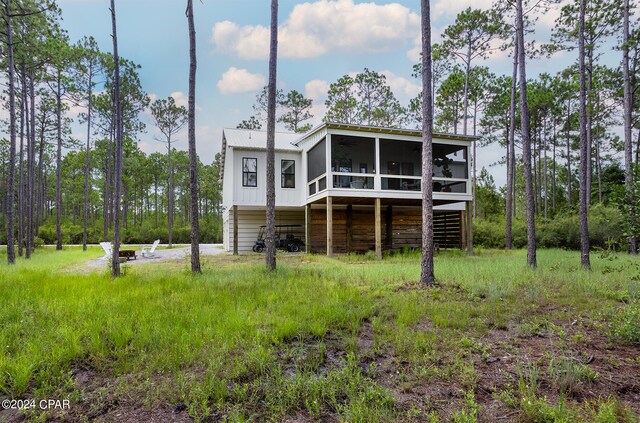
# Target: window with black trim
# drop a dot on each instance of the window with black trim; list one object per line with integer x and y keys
{"x": 288, "y": 169}
{"x": 249, "y": 172}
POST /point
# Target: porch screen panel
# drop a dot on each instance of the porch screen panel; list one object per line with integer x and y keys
{"x": 352, "y": 154}
{"x": 450, "y": 161}
{"x": 400, "y": 157}
{"x": 317, "y": 160}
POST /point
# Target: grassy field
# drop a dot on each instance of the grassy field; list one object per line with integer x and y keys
{"x": 345, "y": 339}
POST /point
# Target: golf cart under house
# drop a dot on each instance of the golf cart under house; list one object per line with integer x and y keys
{"x": 286, "y": 238}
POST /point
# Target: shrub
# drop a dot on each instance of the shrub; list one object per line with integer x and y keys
{"x": 38, "y": 242}
{"x": 488, "y": 233}
{"x": 47, "y": 233}
{"x": 625, "y": 324}
{"x": 147, "y": 233}
{"x": 561, "y": 231}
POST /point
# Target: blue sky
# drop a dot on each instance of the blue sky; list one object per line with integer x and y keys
{"x": 320, "y": 40}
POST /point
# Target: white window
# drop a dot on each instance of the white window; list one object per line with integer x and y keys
{"x": 288, "y": 173}
{"x": 249, "y": 172}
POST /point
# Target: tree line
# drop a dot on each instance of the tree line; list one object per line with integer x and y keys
{"x": 561, "y": 151}
{"x": 560, "y": 132}
{"x": 59, "y": 189}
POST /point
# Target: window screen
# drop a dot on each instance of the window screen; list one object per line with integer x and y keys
{"x": 288, "y": 174}
{"x": 249, "y": 172}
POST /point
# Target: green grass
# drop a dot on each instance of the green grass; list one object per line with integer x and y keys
{"x": 323, "y": 337}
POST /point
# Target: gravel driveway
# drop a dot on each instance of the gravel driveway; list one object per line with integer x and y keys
{"x": 163, "y": 254}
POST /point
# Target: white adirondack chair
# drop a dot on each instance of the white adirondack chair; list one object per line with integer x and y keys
{"x": 108, "y": 250}
{"x": 148, "y": 252}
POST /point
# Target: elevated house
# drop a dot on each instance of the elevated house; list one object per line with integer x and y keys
{"x": 348, "y": 187}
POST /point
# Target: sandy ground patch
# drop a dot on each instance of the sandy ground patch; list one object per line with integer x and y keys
{"x": 162, "y": 254}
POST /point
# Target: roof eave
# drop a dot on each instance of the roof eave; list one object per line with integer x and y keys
{"x": 393, "y": 131}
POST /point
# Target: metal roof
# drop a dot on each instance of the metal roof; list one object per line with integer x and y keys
{"x": 381, "y": 130}
{"x": 253, "y": 139}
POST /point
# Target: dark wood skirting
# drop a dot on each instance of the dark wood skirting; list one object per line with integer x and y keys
{"x": 354, "y": 229}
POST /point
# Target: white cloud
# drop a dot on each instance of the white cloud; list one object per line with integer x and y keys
{"x": 452, "y": 8}
{"x": 315, "y": 29}
{"x": 236, "y": 80}
{"x": 316, "y": 90}
{"x": 403, "y": 88}
{"x": 548, "y": 19}
{"x": 318, "y": 110}
{"x": 74, "y": 109}
{"x": 247, "y": 42}
{"x": 450, "y": 11}
{"x": 414, "y": 53}
{"x": 180, "y": 98}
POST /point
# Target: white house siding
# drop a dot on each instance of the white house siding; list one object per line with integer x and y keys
{"x": 228, "y": 179}
{"x": 256, "y": 196}
{"x": 249, "y": 222}
{"x": 225, "y": 230}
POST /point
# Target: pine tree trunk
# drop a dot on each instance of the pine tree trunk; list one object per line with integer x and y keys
{"x": 589, "y": 159}
{"x": 41, "y": 177}
{"x": 31, "y": 207}
{"x": 270, "y": 242}
{"x": 59, "y": 162}
{"x": 87, "y": 164}
{"x": 193, "y": 158}
{"x": 554, "y": 170}
{"x": 427, "y": 274}
{"x": 21, "y": 208}
{"x": 628, "y": 149}
{"x": 171, "y": 199}
{"x": 544, "y": 174}
{"x": 540, "y": 165}
{"x": 155, "y": 196}
{"x": 106, "y": 210}
{"x": 598, "y": 169}
{"x": 534, "y": 174}
{"x": 125, "y": 204}
{"x": 511, "y": 151}
{"x": 638, "y": 149}
{"x": 117, "y": 174}
{"x": 11, "y": 255}
{"x": 569, "y": 175}
{"x": 584, "y": 145}
{"x": 513, "y": 181}
{"x": 474, "y": 190}
{"x": 526, "y": 142}
{"x": 466, "y": 94}
{"x": 3, "y": 198}
{"x": 535, "y": 170}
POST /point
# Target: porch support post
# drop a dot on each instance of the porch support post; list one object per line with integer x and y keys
{"x": 235, "y": 230}
{"x": 462, "y": 231}
{"x": 329, "y": 226}
{"x": 349, "y": 227}
{"x": 307, "y": 228}
{"x": 469, "y": 209}
{"x": 377, "y": 181}
{"x": 378, "y": 230}
{"x": 389, "y": 217}
{"x": 329, "y": 161}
